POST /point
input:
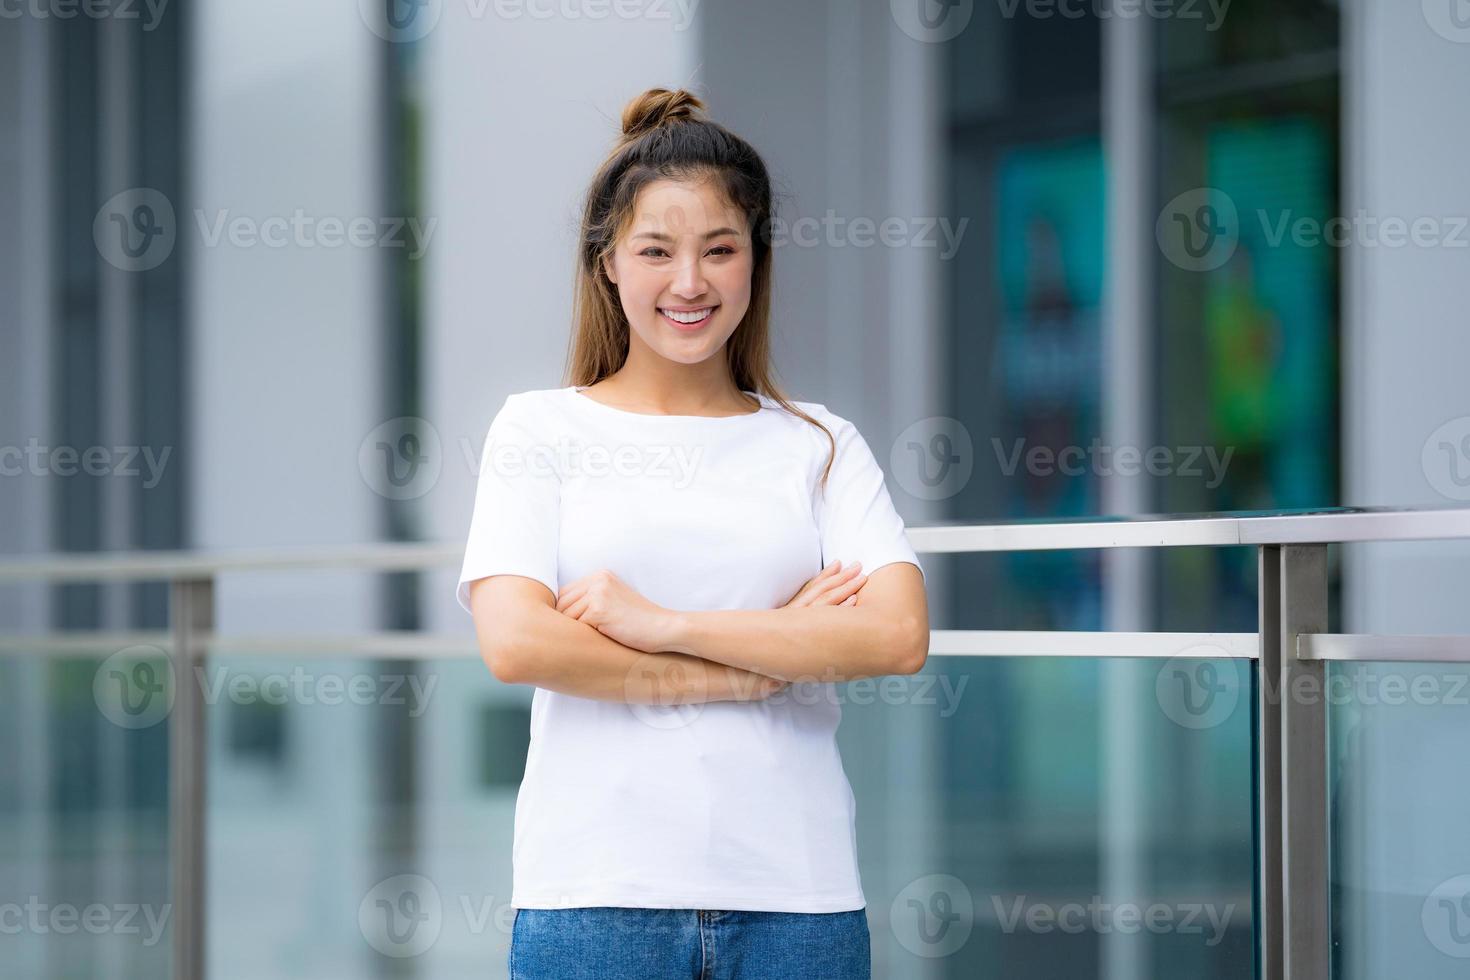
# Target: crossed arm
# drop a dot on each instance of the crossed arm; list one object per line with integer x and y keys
{"x": 600, "y": 639}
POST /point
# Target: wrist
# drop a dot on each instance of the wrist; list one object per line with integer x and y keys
{"x": 676, "y": 633}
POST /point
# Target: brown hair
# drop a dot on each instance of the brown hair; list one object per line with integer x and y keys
{"x": 665, "y": 136}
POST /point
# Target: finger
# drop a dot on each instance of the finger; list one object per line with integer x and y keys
{"x": 572, "y": 592}
{"x": 842, "y": 589}
{"x": 577, "y": 608}
{"x": 850, "y": 601}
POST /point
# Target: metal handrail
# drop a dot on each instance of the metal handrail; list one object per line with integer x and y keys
{"x": 1338, "y": 525}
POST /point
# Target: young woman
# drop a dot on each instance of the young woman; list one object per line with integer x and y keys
{"x": 684, "y": 564}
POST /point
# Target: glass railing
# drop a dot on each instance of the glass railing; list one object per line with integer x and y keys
{"x": 273, "y": 803}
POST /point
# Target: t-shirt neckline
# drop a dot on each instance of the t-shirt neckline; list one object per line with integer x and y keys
{"x": 575, "y": 392}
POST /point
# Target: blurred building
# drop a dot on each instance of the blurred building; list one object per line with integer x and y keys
{"x": 279, "y": 251}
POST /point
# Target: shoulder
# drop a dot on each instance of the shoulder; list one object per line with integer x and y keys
{"x": 840, "y": 427}
{"x": 525, "y": 413}
{"x": 531, "y": 403}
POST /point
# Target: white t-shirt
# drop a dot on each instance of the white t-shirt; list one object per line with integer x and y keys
{"x": 720, "y": 805}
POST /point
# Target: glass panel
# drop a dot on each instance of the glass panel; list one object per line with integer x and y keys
{"x": 361, "y": 816}
{"x": 84, "y": 887}
{"x": 1062, "y": 817}
{"x": 1399, "y": 783}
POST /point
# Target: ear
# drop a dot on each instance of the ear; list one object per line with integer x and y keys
{"x": 607, "y": 267}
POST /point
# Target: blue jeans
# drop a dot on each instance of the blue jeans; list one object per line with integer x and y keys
{"x": 612, "y": 943}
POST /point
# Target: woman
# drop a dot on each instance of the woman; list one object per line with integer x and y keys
{"x": 669, "y": 550}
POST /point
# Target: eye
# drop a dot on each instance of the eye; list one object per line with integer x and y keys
{"x": 723, "y": 250}
{"x": 651, "y": 248}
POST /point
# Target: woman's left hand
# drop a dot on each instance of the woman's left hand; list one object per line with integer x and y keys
{"x": 617, "y": 611}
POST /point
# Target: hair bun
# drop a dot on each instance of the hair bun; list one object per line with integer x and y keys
{"x": 658, "y": 107}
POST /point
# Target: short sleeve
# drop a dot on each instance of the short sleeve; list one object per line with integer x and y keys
{"x": 516, "y": 522}
{"x": 855, "y": 515}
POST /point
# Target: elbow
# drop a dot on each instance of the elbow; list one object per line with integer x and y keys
{"x": 501, "y": 659}
{"x": 506, "y": 651}
{"x": 913, "y": 646}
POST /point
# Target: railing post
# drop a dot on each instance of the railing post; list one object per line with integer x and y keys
{"x": 1306, "y": 932}
{"x": 1269, "y": 898}
{"x": 191, "y": 612}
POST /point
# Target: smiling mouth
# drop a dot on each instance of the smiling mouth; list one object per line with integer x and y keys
{"x": 688, "y": 319}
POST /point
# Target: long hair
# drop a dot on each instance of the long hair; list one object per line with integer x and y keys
{"x": 665, "y": 136}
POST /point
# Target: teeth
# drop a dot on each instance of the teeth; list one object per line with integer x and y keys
{"x": 694, "y": 316}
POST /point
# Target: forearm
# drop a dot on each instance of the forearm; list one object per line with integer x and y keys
{"x": 554, "y": 651}
{"x": 806, "y": 643}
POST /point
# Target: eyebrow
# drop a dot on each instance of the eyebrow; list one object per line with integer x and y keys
{"x": 661, "y": 237}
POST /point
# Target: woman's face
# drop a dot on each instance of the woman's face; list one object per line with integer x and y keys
{"x": 685, "y": 256}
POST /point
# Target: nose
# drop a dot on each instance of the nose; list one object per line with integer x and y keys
{"x": 689, "y": 279}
